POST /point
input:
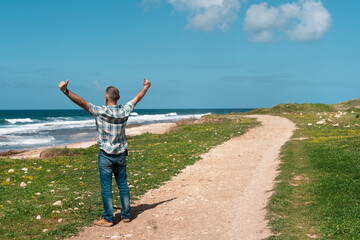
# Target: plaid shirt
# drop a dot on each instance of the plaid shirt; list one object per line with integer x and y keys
{"x": 110, "y": 124}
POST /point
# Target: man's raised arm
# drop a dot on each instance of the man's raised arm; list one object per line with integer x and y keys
{"x": 143, "y": 91}
{"x": 73, "y": 97}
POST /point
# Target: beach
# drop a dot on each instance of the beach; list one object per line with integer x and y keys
{"x": 156, "y": 128}
{"x": 32, "y": 129}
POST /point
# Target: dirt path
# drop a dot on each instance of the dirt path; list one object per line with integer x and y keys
{"x": 222, "y": 196}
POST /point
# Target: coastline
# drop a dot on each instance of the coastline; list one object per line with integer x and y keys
{"x": 25, "y": 130}
{"x": 155, "y": 128}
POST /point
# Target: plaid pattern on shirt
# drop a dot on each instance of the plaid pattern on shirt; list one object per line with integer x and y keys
{"x": 110, "y": 124}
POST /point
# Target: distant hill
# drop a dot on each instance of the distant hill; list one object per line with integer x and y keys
{"x": 354, "y": 103}
{"x": 309, "y": 107}
{"x": 295, "y": 107}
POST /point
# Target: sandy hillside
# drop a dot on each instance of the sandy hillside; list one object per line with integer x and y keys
{"x": 221, "y": 196}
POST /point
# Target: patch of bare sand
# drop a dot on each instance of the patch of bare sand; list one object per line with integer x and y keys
{"x": 221, "y": 196}
{"x": 156, "y": 128}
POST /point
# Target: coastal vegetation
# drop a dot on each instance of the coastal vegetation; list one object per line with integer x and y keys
{"x": 316, "y": 196}
{"x": 54, "y": 197}
{"x": 317, "y": 193}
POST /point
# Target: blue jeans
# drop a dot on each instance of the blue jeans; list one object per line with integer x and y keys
{"x": 108, "y": 164}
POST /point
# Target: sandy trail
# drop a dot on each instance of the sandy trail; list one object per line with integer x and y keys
{"x": 221, "y": 196}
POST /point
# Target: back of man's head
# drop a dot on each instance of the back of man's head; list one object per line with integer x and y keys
{"x": 113, "y": 94}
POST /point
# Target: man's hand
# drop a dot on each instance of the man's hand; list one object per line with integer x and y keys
{"x": 147, "y": 83}
{"x": 143, "y": 91}
{"x": 73, "y": 97}
{"x": 63, "y": 85}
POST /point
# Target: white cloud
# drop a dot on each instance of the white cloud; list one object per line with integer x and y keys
{"x": 315, "y": 20}
{"x": 194, "y": 4}
{"x": 208, "y": 14}
{"x": 306, "y": 20}
{"x": 262, "y": 36}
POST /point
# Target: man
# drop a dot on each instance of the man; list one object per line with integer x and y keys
{"x": 111, "y": 121}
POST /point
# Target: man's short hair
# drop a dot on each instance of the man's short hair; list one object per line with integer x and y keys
{"x": 113, "y": 93}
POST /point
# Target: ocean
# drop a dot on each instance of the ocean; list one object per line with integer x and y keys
{"x": 29, "y": 129}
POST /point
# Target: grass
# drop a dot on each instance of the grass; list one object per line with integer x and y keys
{"x": 294, "y": 107}
{"x": 56, "y": 152}
{"x": 71, "y": 176}
{"x": 354, "y": 103}
{"x": 317, "y": 194}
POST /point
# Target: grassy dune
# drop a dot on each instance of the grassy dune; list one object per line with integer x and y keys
{"x": 72, "y": 178}
{"x": 317, "y": 195}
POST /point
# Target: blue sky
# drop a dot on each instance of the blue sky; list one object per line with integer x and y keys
{"x": 197, "y": 53}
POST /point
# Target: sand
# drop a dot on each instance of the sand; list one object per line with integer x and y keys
{"x": 222, "y": 196}
{"x": 157, "y": 128}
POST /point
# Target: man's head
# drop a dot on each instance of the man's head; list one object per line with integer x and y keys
{"x": 112, "y": 95}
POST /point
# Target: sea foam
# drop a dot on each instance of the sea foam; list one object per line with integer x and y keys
{"x": 14, "y": 141}
{"x": 20, "y": 133}
{"x": 154, "y": 118}
{"x": 46, "y": 126}
{"x": 59, "y": 123}
{"x": 19, "y": 120}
